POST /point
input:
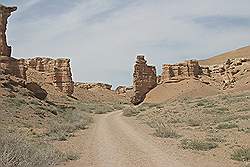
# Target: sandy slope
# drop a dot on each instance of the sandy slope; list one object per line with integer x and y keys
{"x": 112, "y": 142}
{"x": 185, "y": 88}
{"x": 238, "y": 53}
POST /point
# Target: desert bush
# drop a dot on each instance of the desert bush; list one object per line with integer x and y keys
{"x": 216, "y": 139}
{"x": 97, "y": 108}
{"x": 61, "y": 132}
{"x": 193, "y": 122}
{"x": 118, "y": 106}
{"x": 103, "y": 109}
{"x": 205, "y": 103}
{"x": 16, "y": 151}
{"x": 227, "y": 126}
{"x": 242, "y": 154}
{"x": 130, "y": 111}
{"x": 198, "y": 145}
{"x": 164, "y": 131}
{"x": 72, "y": 121}
{"x": 15, "y": 102}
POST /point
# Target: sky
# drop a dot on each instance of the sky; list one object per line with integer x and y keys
{"x": 102, "y": 37}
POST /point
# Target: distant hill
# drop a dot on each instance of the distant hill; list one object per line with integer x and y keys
{"x": 219, "y": 59}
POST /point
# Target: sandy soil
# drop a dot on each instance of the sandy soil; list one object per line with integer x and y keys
{"x": 117, "y": 141}
{"x": 114, "y": 142}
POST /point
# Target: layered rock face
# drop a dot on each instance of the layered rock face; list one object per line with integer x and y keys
{"x": 5, "y": 13}
{"x": 52, "y": 71}
{"x": 144, "y": 79}
{"x": 177, "y": 72}
{"x": 55, "y": 71}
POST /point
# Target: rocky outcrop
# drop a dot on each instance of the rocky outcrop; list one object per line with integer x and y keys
{"x": 56, "y": 72}
{"x": 14, "y": 84}
{"x": 5, "y": 13}
{"x": 122, "y": 90}
{"x": 88, "y": 86}
{"x": 144, "y": 80}
{"x": 228, "y": 73}
{"x": 53, "y": 71}
{"x": 176, "y": 72}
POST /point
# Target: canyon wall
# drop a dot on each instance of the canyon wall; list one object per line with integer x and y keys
{"x": 144, "y": 79}
{"x": 53, "y": 71}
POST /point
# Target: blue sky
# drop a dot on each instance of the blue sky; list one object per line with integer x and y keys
{"x": 102, "y": 37}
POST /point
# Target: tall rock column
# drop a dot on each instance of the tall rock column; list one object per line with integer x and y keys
{"x": 145, "y": 79}
{"x": 5, "y": 13}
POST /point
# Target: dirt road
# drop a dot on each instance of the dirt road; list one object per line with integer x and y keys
{"x": 113, "y": 142}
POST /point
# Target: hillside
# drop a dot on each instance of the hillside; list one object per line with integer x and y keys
{"x": 185, "y": 89}
{"x": 229, "y": 72}
{"x": 219, "y": 59}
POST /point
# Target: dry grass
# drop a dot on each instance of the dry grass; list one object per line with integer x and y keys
{"x": 71, "y": 122}
{"x": 17, "y": 151}
{"x": 96, "y": 108}
{"x": 242, "y": 154}
{"x": 204, "y": 123}
{"x": 130, "y": 111}
{"x": 198, "y": 145}
{"x": 164, "y": 131}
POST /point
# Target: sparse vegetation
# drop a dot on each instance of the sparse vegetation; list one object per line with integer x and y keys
{"x": 242, "y": 154}
{"x": 198, "y": 145}
{"x": 130, "y": 111}
{"x": 164, "y": 131}
{"x": 16, "y": 151}
{"x": 72, "y": 121}
{"x": 227, "y": 126}
{"x": 97, "y": 108}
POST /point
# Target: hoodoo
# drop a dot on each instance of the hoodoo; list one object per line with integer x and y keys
{"x": 5, "y": 13}
{"x": 145, "y": 79}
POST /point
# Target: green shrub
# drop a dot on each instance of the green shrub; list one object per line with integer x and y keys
{"x": 198, "y": 145}
{"x": 242, "y": 154}
{"x": 130, "y": 111}
{"x": 193, "y": 122}
{"x": 118, "y": 106}
{"x": 227, "y": 126}
{"x": 163, "y": 131}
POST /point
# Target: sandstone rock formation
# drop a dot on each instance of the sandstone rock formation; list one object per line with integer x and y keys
{"x": 228, "y": 73}
{"x": 88, "y": 86}
{"x": 5, "y": 13}
{"x": 55, "y": 71}
{"x": 13, "y": 84}
{"x": 177, "y": 72}
{"x": 121, "y": 90}
{"x": 144, "y": 80}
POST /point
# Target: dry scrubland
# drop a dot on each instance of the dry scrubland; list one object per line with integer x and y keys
{"x": 216, "y": 126}
{"x": 29, "y": 128}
